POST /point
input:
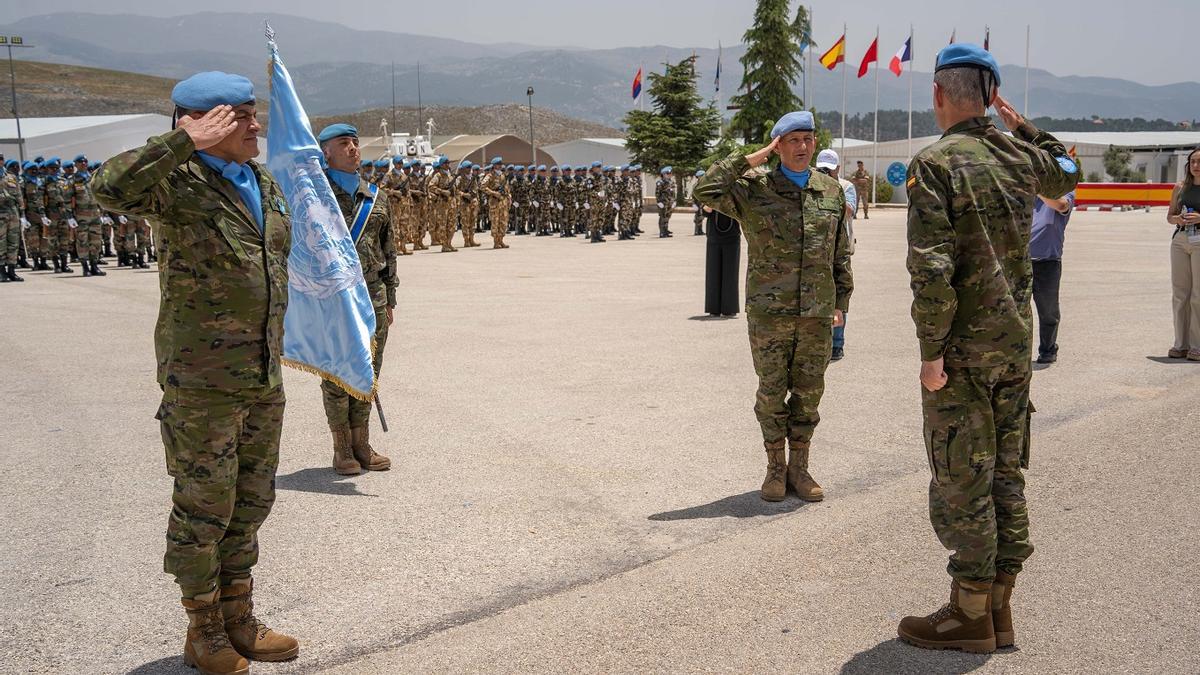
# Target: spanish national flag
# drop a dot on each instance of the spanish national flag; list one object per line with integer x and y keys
{"x": 836, "y": 54}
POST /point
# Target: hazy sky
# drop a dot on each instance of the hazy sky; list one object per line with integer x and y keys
{"x": 1143, "y": 41}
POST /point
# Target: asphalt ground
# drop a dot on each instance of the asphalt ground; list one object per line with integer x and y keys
{"x": 575, "y": 474}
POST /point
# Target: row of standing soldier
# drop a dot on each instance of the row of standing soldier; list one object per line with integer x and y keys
{"x": 48, "y": 214}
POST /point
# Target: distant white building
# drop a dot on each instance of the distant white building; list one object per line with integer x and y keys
{"x": 97, "y": 136}
{"x": 1161, "y": 154}
{"x": 584, "y": 151}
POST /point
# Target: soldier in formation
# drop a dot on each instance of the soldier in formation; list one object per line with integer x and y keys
{"x": 698, "y": 217}
{"x": 495, "y": 186}
{"x": 664, "y": 199}
{"x": 862, "y": 188}
{"x": 467, "y": 190}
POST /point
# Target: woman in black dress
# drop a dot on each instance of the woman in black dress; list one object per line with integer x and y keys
{"x": 723, "y": 264}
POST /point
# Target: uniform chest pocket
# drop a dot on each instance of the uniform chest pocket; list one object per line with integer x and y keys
{"x": 207, "y": 242}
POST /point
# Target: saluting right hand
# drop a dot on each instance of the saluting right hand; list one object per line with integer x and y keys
{"x": 1011, "y": 118}
{"x": 211, "y": 128}
{"x": 760, "y": 157}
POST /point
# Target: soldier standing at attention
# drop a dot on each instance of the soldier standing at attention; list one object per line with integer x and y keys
{"x": 11, "y": 222}
{"x": 593, "y": 201}
{"x": 440, "y": 189}
{"x": 394, "y": 185}
{"x": 664, "y": 197}
{"x": 798, "y": 287}
{"x": 635, "y": 200}
{"x": 420, "y": 205}
{"x": 698, "y": 217}
{"x": 367, "y": 215}
{"x": 87, "y": 215}
{"x": 495, "y": 186}
{"x": 862, "y": 188}
{"x": 468, "y": 203}
{"x": 58, "y": 211}
{"x": 226, "y": 235}
{"x": 971, "y": 198}
{"x": 35, "y": 215}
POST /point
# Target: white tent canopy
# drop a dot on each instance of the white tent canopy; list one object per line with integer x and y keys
{"x": 97, "y": 136}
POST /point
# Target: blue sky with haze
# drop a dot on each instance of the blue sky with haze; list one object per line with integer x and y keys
{"x": 1101, "y": 37}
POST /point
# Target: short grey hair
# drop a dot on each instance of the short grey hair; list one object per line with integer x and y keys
{"x": 961, "y": 86}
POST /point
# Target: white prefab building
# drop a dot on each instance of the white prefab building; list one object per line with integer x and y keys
{"x": 1161, "y": 154}
{"x": 97, "y": 136}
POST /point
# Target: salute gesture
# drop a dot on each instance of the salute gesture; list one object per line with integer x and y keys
{"x": 759, "y": 157}
{"x": 210, "y": 129}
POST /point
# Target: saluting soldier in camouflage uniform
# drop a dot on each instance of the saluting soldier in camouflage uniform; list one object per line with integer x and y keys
{"x": 349, "y": 418}
{"x": 87, "y": 216}
{"x": 664, "y": 198}
{"x": 798, "y": 286}
{"x": 971, "y": 197}
{"x": 223, "y": 279}
{"x": 468, "y": 203}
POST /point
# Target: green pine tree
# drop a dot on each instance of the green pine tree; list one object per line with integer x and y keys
{"x": 678, "y": 129}
{"x": 772, "y": 64}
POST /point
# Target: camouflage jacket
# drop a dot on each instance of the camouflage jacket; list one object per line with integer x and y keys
{"x": 439, "y": 187}
{"x": 664, "y": 192}
{"x": 83, "y": 204}
{"x": 223, "y": 283}
{"x": 970, "y": 207}
{"x": 376, "y": 245}
{"x": 861, "y": 180}
{"x": 35, "y": 203}
{"x": 415, "y": 187}
{"x": 798, "y": 249}
{"x": 465, "y": 185}
{"x": 58, "y": 206}
{"x": 10, "y": 196}
{"x": 494, "y": 185}
{"x": 634, "y": 192}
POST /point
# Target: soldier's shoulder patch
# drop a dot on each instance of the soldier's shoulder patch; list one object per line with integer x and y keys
{"x": 1066, "y": 164}
{"x": 912, "y": 180}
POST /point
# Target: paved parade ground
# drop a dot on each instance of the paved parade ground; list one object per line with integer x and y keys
{"x": 575, "y": 479}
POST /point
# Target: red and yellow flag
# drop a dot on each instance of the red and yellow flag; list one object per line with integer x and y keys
{"x": 836, "y": 54}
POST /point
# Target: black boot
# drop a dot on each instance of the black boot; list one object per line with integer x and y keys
{"x": 22, "y": 262}
{"x": 108, "y": 252}
{"x": 96, "y": 271}
{"x": 122, "y": 259}
{"x": 141, "y": 262}
{"x": 62, "y": 257}
{"x": 43, "y": 266}
{"x": 152, "y": 254}
{"x": 74, "y": 258}
{"x": 87, "y": 269}
{"x": 12, "y": 274}
{"x": 101, "y": 261}
{"x": 57, "y": 266}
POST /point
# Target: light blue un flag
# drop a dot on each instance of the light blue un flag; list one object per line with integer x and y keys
{"x": 330, "y": 321}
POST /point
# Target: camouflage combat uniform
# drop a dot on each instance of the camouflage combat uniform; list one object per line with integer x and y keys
{"x": 632, "y": 211}
{"x": 862, "y": 188}
{"x": 468, "y": 206}
{"x": 376, "y": 247}
{"x": 396, "y": 185}
{"x": 798, "y": 273}
{"x": 89, "y": 241}
{"x": 593, "y": 198}
{"x": 495, "y": 186}
{"x": 35, "y": 211}
{"x": 440, "y": 191}
{"x": 10, "y": 219}
{"x": 664, "y": 197}
{"x": 219, "y": 339}
{"x": 418, "y": 217}
{"x": 971, "y": 198}
{"x": 58, "y": 210}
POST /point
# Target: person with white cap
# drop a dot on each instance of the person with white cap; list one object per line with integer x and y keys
{"x": 829, "y": 163}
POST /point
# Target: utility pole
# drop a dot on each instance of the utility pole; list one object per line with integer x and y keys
{"x": 18, "y": 42}
{"x": 532, "y": 147}
{"x": 394, "y": 127}
{"x": 420, "y": 110}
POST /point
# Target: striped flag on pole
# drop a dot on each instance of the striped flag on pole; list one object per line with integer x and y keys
{"x": 637, "y": 84}
{"x": 903, "y": 56}
{"x": 836, "y": 54}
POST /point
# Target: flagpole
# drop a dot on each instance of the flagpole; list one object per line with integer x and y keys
{"x": 842, "y": 151}
{"x": 911, "y": 61}
{"x": 875, "y": 144}
{"x": 810, "y": 62}
{"x": 1027, "y": 70}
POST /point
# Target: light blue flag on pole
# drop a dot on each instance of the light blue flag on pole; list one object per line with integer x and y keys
{"x": 330, "y": 321}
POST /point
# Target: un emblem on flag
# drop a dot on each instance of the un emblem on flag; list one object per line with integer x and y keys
{"x": 323, "y": 260}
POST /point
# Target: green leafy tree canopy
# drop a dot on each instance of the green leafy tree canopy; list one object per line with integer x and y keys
{"x": 771, "y": 65}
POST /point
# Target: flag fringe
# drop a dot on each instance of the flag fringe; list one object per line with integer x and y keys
{"x": 356, "y": 393}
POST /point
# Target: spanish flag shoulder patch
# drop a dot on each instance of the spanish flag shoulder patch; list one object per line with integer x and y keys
{"x": 912, "y": 180}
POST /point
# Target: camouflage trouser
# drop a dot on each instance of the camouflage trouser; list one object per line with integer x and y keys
{"x": 222, "y": 448}
{"x": 698, "y": 219}
{"x": 89, "y": 243}
{"x": 59, "y": 239}
{"x": 106, "y": 235}
{"x": 470, "y": 216}
{"x": 664, "y": 220}
{"x": 342, "y": 408}
{"x": 976, "y": 439}
{"x": 595, "y": 218}
{"x": 35, "y": 242}
{"x": 10, "y": 239}
{"x": 790, "y": 355}
{"x": 143, "y": 235}
{"x": 499, "y": 218}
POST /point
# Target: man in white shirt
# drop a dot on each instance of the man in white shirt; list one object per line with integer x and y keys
{"x": 828, "y": 162}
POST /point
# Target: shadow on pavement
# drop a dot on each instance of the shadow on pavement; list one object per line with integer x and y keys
{"x": 746, "y": 505}
{"x": 322, "y": 480}
{"x": 710, "y": 317}
{"x": 1170, "y": 361}
{"x": 170, "y": 664}
{"x": 894, "y": 656}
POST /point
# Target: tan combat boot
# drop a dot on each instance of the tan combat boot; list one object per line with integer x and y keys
{"x": 1002, "y": 624}
{"x": 360, "y": 441}
{"x": 774, "y": 487}
{"x": 343, "y": 457}
{"x": 251, "y": 637}
{"x": 963, "y": 623}
{"x": 208, "y": 648}
{"x": 797, "y": 473}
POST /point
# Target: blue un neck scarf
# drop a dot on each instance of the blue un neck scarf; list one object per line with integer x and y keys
{"x": 800, "y": 178}
{"x": 244, "y": 181}
{"x": 345, "y": 180}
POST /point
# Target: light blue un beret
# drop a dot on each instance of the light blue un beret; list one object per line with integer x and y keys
{"x": 336, "y": 131}
{"x": 799, "y": 120}
{"x": 966, "y": 55}
{"x": 205, "y": 91}
{"x": 665, "y": 170}
{"x": 381, "y": 164}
